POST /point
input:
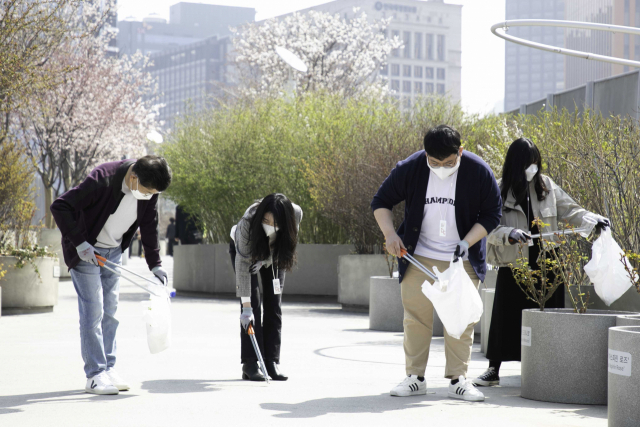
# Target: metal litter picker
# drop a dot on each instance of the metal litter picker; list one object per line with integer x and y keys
{"x": 418, "y": 264}
{"x": 103, "y": 262}
{"x": 263, "y": 367}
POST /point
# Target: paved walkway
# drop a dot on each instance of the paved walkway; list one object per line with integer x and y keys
{"x": 341, "y": 374}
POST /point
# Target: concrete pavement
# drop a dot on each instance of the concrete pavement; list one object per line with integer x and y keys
{"x": 340, "y": 373}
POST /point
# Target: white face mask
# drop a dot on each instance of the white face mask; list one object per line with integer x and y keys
{"x": 531, "y": 171}
{"x": 138, "y": 195}
{"x": 443, "y": 172}
{"x": 269, "y": 230}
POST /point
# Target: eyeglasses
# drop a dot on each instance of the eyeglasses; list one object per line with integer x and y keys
{"x": 449, "y": 164}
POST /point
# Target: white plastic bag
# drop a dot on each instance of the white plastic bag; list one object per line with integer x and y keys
{"x": 157, "y": 316}
{"x": 455, "y": 299}
{"x": 605, "y": 269}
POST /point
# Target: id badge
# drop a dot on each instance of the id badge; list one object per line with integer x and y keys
{"x": 277, "y": 289}
{"x": 530, "y": 243}
{"x": 443, "y": 228}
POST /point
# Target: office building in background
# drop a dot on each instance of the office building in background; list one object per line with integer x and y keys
{"x": 531, "y": 74}
{"x": 430, "y": 62}
{"x": 189, "y": 53}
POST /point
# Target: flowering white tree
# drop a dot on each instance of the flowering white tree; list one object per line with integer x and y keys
{"x": 342, "y": 56}
{"x": 101, "y": 109}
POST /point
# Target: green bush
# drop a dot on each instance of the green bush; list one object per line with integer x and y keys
{"x": 225, "y": 159}
{"x": 330, "y": 155}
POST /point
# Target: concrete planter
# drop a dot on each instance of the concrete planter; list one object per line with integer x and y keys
{"x": 628, "y": 320}
{"x": 386, "y": 312}
{"x": 208, "y": 269}
{"x": 624, "y": 378}
{"x": 488, "y": 295}
{"x": 53, "y": 239}
{"x": 24, "y": 292}
{"x": 564, "y": 355}
{"x": 354, "y": 274}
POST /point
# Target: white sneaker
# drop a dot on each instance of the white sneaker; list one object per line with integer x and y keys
{"x": 465, "y": 390}
{"x": 100, "y": 384}
{"x": 411, "y": 386}
{"x": 117, "y": 380}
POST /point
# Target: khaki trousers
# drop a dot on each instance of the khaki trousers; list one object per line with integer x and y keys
{"x": 418, "y": 324}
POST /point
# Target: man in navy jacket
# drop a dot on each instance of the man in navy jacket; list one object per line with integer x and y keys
{"x": 100, "y": 216}
{"x": 452, "y": 202}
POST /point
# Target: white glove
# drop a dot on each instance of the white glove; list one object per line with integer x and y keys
{"x": 161, "y": 274}
{"x": 87, "y": 253}
{"x": 246, "y": 318}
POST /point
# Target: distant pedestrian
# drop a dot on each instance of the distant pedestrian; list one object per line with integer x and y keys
{"x": 100, "y": 216}
{"x": 187, "y": 230}
{"x": 171, "y": 236}
{"x": 264, "y": 243}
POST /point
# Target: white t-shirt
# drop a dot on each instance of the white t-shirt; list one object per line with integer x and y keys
{"x": 120, "y": 221}
{"x": 439, "y": 206}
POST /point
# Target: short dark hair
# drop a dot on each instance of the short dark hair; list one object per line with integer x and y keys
{"x": 441, "y": 141}
{"x": 172, "y": 220}
{"x": 153, "y": 172}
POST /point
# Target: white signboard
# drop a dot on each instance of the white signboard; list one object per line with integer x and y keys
{"x": 526, "y": 336}
{"x": 619, "y": 363}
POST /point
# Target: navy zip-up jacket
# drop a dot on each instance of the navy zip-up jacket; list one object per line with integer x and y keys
{"x": 82, "y": 212}
{"x": 477, "y": 201}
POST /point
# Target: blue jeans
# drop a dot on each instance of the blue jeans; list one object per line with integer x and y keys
{"x": 98, "y": 290}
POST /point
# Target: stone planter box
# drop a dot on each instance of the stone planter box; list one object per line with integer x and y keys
{"x": 354, "y": 274}
{"x": 564, "y": 355}
{"x": 24, "y": 292}
{"x": 487, "y": 295}
{"x": 631, "y": 320}
{"x": 386, "y": 312}
{"x": 208, "y": 269}
{"x": 53, "y": 239}
{"x": 624, "y": 378}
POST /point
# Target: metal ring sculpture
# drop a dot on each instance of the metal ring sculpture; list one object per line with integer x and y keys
{"x": 504, "y": 26}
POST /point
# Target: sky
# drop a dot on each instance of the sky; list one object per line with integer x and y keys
{"x": 482, "y": 52}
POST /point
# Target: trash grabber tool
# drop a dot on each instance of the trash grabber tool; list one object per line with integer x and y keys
{"x": 102, "y": 261}
{"x": 415, "y": 262}
{"x": 263, "y": 367}
{"x": 567, "y": 231}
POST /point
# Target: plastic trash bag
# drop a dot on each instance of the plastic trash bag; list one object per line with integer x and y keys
{"x": 605, "y": 269}
{"x": 157, "y": 316}
{"x": 455, "y": 299}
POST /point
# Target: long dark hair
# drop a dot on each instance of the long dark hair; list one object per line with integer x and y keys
{"x": 522, "y": 153}
{"x": 284, "y": 247}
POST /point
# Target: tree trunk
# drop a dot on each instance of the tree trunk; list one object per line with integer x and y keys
{"x": 48, "y": 199}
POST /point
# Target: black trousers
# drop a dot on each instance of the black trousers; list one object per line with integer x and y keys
{"x": 268, "y": 317}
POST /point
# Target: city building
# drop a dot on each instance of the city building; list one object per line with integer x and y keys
{"x": 191, "y": 76}
{"x": 189, "y": 52}
{"x": 531, "y": 74}
{"x": 430, "y": 61}
{"x": 188, "y": 23}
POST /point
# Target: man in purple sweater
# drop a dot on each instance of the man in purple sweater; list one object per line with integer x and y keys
{"x": 100, "y": 216}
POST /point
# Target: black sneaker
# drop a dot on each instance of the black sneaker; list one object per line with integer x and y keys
{"x": 489, "y": 378}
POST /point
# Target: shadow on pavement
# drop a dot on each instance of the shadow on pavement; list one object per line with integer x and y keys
{"x": 182, "y": 386}
{"x": 350, "y": 405}
{"x": 8, "y": 403}
{"x": 498, "y": 397}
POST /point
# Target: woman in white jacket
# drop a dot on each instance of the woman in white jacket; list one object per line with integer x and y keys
{"x": 526, "y": 195}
